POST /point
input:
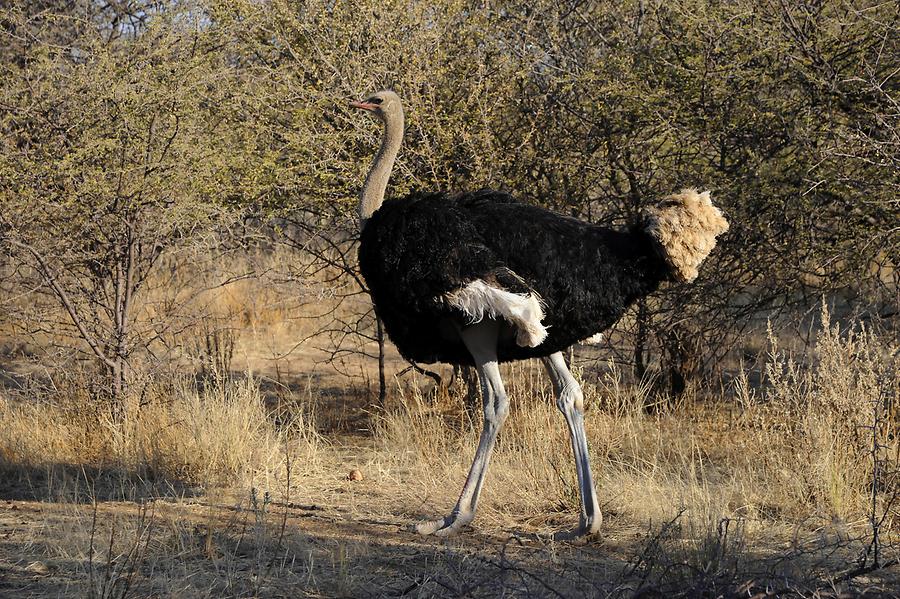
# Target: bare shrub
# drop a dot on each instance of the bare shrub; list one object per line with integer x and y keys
{"x": 818, "y": 410}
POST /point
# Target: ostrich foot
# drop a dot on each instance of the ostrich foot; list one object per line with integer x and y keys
{"x": 446, "y": 526}
{"x": 588, "y": 527}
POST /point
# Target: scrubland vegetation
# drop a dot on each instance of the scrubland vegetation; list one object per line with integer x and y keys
{"x": 785, "y": 485}
{"x": 196, "y": 398}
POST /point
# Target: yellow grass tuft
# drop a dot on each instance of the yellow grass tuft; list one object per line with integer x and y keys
{"x": 221, "y": 435}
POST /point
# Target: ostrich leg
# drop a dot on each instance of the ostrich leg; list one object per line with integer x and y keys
{"x": 570, "y": 402}
{"x": 481, "y": 341}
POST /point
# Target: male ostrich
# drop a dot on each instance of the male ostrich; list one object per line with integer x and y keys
{"x": 478, "y": 279}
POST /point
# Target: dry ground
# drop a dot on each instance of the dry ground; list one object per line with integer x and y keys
{"x": 337, "y": 538}
{"x": 66, "y": 532}
{"x": 240, "y": 488}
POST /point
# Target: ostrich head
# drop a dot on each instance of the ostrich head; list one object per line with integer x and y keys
{"x": 685, "y": 226}
{"x": 385, "y": 105}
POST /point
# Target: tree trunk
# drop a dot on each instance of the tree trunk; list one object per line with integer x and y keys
{"x": 682, "y": 357}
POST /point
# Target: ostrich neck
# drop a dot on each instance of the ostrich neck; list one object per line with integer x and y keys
{"x": 372, "y": 194}
{"x": 652, "y": 268}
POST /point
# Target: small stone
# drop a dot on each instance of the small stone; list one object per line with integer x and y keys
{"x": 38, "y": 568}
{"x": 355, "y": 475}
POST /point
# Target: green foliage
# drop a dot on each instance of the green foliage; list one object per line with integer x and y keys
{"x": 119, "y": 145}
{"x": 161, "y": 122}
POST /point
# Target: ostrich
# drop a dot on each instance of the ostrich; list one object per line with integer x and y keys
{"x": 479, "y": 279}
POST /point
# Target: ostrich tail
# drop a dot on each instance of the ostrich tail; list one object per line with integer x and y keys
{"x": 685, "y": 226}
{"x": 479, "y": 300}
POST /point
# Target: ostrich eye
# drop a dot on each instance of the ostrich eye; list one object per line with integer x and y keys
{"x": 374, "y": 100}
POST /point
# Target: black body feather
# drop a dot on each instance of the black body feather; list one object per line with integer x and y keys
{"x": 413, "y": 251}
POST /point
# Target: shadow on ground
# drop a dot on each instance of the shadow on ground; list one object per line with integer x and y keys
{"x": 85, "y": 484}
{"x": 199, "y": 547}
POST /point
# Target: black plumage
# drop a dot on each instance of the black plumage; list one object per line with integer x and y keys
{"x": 416, "y": 250}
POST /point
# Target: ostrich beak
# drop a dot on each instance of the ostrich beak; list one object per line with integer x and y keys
{"x": 364, "y": 105}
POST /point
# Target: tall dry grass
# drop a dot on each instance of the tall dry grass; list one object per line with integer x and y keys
{"x": 701, "y": 490}
{"x": 798, "y": 446}
{"x": 825, "y": 420}
{"x": 221, "y": 434}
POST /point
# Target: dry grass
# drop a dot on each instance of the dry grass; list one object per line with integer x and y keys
{"x": 222, "y": 434}
{"x": 235, "y": 498}
{"x": 799, "y": 449}
{"x": 832, "y": 414}
{"x": 178, "y": 499}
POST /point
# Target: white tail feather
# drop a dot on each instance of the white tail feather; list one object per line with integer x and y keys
{"x": 479, "y": 300}
{"x": 593, "y": 339}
